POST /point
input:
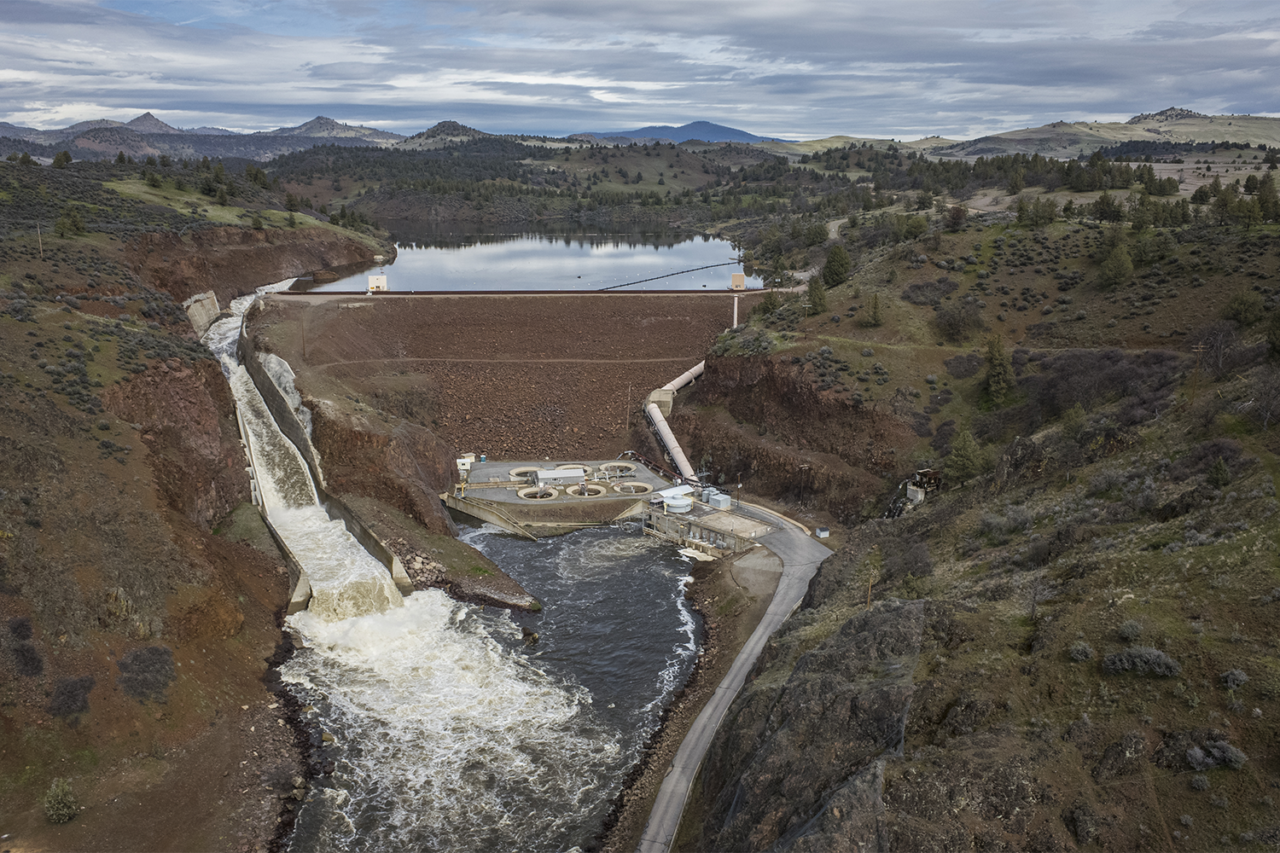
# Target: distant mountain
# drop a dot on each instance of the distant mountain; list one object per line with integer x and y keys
{"x": 1064, "y": 139}
{"x": 147, "y": 136}
{"x": 107, "y": 142}
{"x": 147, "y": 123}
{"x": 703, "y": 131}
{"x": 323, "y": 127}
{"x": 14, "y": 131}
{"x": 1171, "y": 114}
{"x": 443, "y": 134}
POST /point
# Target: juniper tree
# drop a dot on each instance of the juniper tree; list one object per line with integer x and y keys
{"x": 817, "y": 296}
{"x": 965, "y": 460}
{"x": 1000, "y": 379}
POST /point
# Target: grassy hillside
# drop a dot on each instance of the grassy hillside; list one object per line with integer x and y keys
{"x": 1073, "y": 139}
{"x": 1093, "y": 662}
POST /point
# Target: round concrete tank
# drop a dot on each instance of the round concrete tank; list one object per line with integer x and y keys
{"x": 632, "y": 487}
{"x": 535, "y": 493}
{"x": 678, "y": 504}
{"x": 591, "y": 490}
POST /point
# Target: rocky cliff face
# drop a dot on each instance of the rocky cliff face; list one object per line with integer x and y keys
{"x": 801, "y": 765}
{"x": 131, "y": 636}
{"x": 186, "y": 418}
{"x": 234, "y": 261}
{"x": 762, "y": 422}
{"x": 402, "y": 464}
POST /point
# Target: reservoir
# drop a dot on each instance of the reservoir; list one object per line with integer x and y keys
{"x": 452, "y": 261}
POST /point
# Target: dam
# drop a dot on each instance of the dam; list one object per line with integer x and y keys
{"x": 444, "y": 730}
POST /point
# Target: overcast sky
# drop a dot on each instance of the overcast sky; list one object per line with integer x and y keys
{"x": 797, "y": 69}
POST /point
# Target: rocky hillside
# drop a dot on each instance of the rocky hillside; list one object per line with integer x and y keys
{"x": 1069, "y": 645}
{"x": 140, "y": 597}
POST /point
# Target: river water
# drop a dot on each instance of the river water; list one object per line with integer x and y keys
{"x": 448, "y": 733}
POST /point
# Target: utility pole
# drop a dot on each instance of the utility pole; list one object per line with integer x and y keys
{"x": 1198, "y": 349}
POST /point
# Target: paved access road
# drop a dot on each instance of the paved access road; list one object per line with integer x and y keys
{"x": 800, "y": 555}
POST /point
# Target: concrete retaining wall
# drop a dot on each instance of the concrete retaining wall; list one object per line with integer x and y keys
{"x": 202, "y": 309}
{"x": 287, "y": 419}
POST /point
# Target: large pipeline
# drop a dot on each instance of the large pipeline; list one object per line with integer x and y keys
{"x": 685, "y": 378}
{"x": 664, "y": 431}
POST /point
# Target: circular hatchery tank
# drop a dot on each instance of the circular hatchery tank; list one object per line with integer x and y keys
{"x": 632, "y": 487}
{"x": 536, "y": 493}
{"x": 617, "y": 469}
{"x": 590, "y": 490}
{"x": 523, "y": 472}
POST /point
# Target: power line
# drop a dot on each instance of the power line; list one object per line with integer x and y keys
{"x": 669, "y": 275}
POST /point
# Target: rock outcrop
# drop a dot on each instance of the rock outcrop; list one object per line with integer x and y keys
{"x": 234, "y": 261}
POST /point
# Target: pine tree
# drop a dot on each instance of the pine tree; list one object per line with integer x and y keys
{"x": 836, "y": 269}
{"x": 1000, "y": 379}
{"x": 1219, "y": 475}
{"x": 817, "y": 296}
{"x": 873, "y": 317}
{"x": 965, "y": 460}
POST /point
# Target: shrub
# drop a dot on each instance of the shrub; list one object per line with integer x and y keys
{"x": 60, "y": 803}
{"x": 1080, "y": 651}
{"x": 1234, "y": 679}
{"x": 1142, "y": 660}
{"x": 146, "y": 673}
{"x": 1199, "y": 782}
{"x": 955, "y": 321}
{"x": 1244, "y": 308}
{"x": 1130, "y": 631}
{"x": 71, "y": 696}
{"x": 929, "y": 292}
{"x": 1219, "y": 475}
{"x": 1215, "y": 754}
{"x": 1203, "y": 458}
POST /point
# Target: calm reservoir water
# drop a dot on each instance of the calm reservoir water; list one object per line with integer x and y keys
{"x": 451, "y": 261}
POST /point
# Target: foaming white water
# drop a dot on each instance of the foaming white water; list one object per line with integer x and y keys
{"x": 345, "y": 579}
{"x": 672, "y": 675}
{"x": 283, "y": 477}
{"x": 221, "y": 336}
{"x": 448, "y": 741}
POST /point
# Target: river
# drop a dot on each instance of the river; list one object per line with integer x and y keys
{"x": 447, "y": 732}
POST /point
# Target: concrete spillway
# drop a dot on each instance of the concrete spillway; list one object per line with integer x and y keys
{"x": 343, "y": 578}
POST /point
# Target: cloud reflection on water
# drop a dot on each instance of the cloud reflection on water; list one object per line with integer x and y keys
{"x": 552, "y": 262}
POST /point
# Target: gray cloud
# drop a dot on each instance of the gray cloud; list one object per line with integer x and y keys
{"x": 802, "y": 69}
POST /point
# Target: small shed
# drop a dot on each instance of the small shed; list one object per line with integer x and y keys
{"x": 559, "y": 476}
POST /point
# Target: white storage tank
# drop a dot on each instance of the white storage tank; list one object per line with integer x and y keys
{"x": 678, "y": 504}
